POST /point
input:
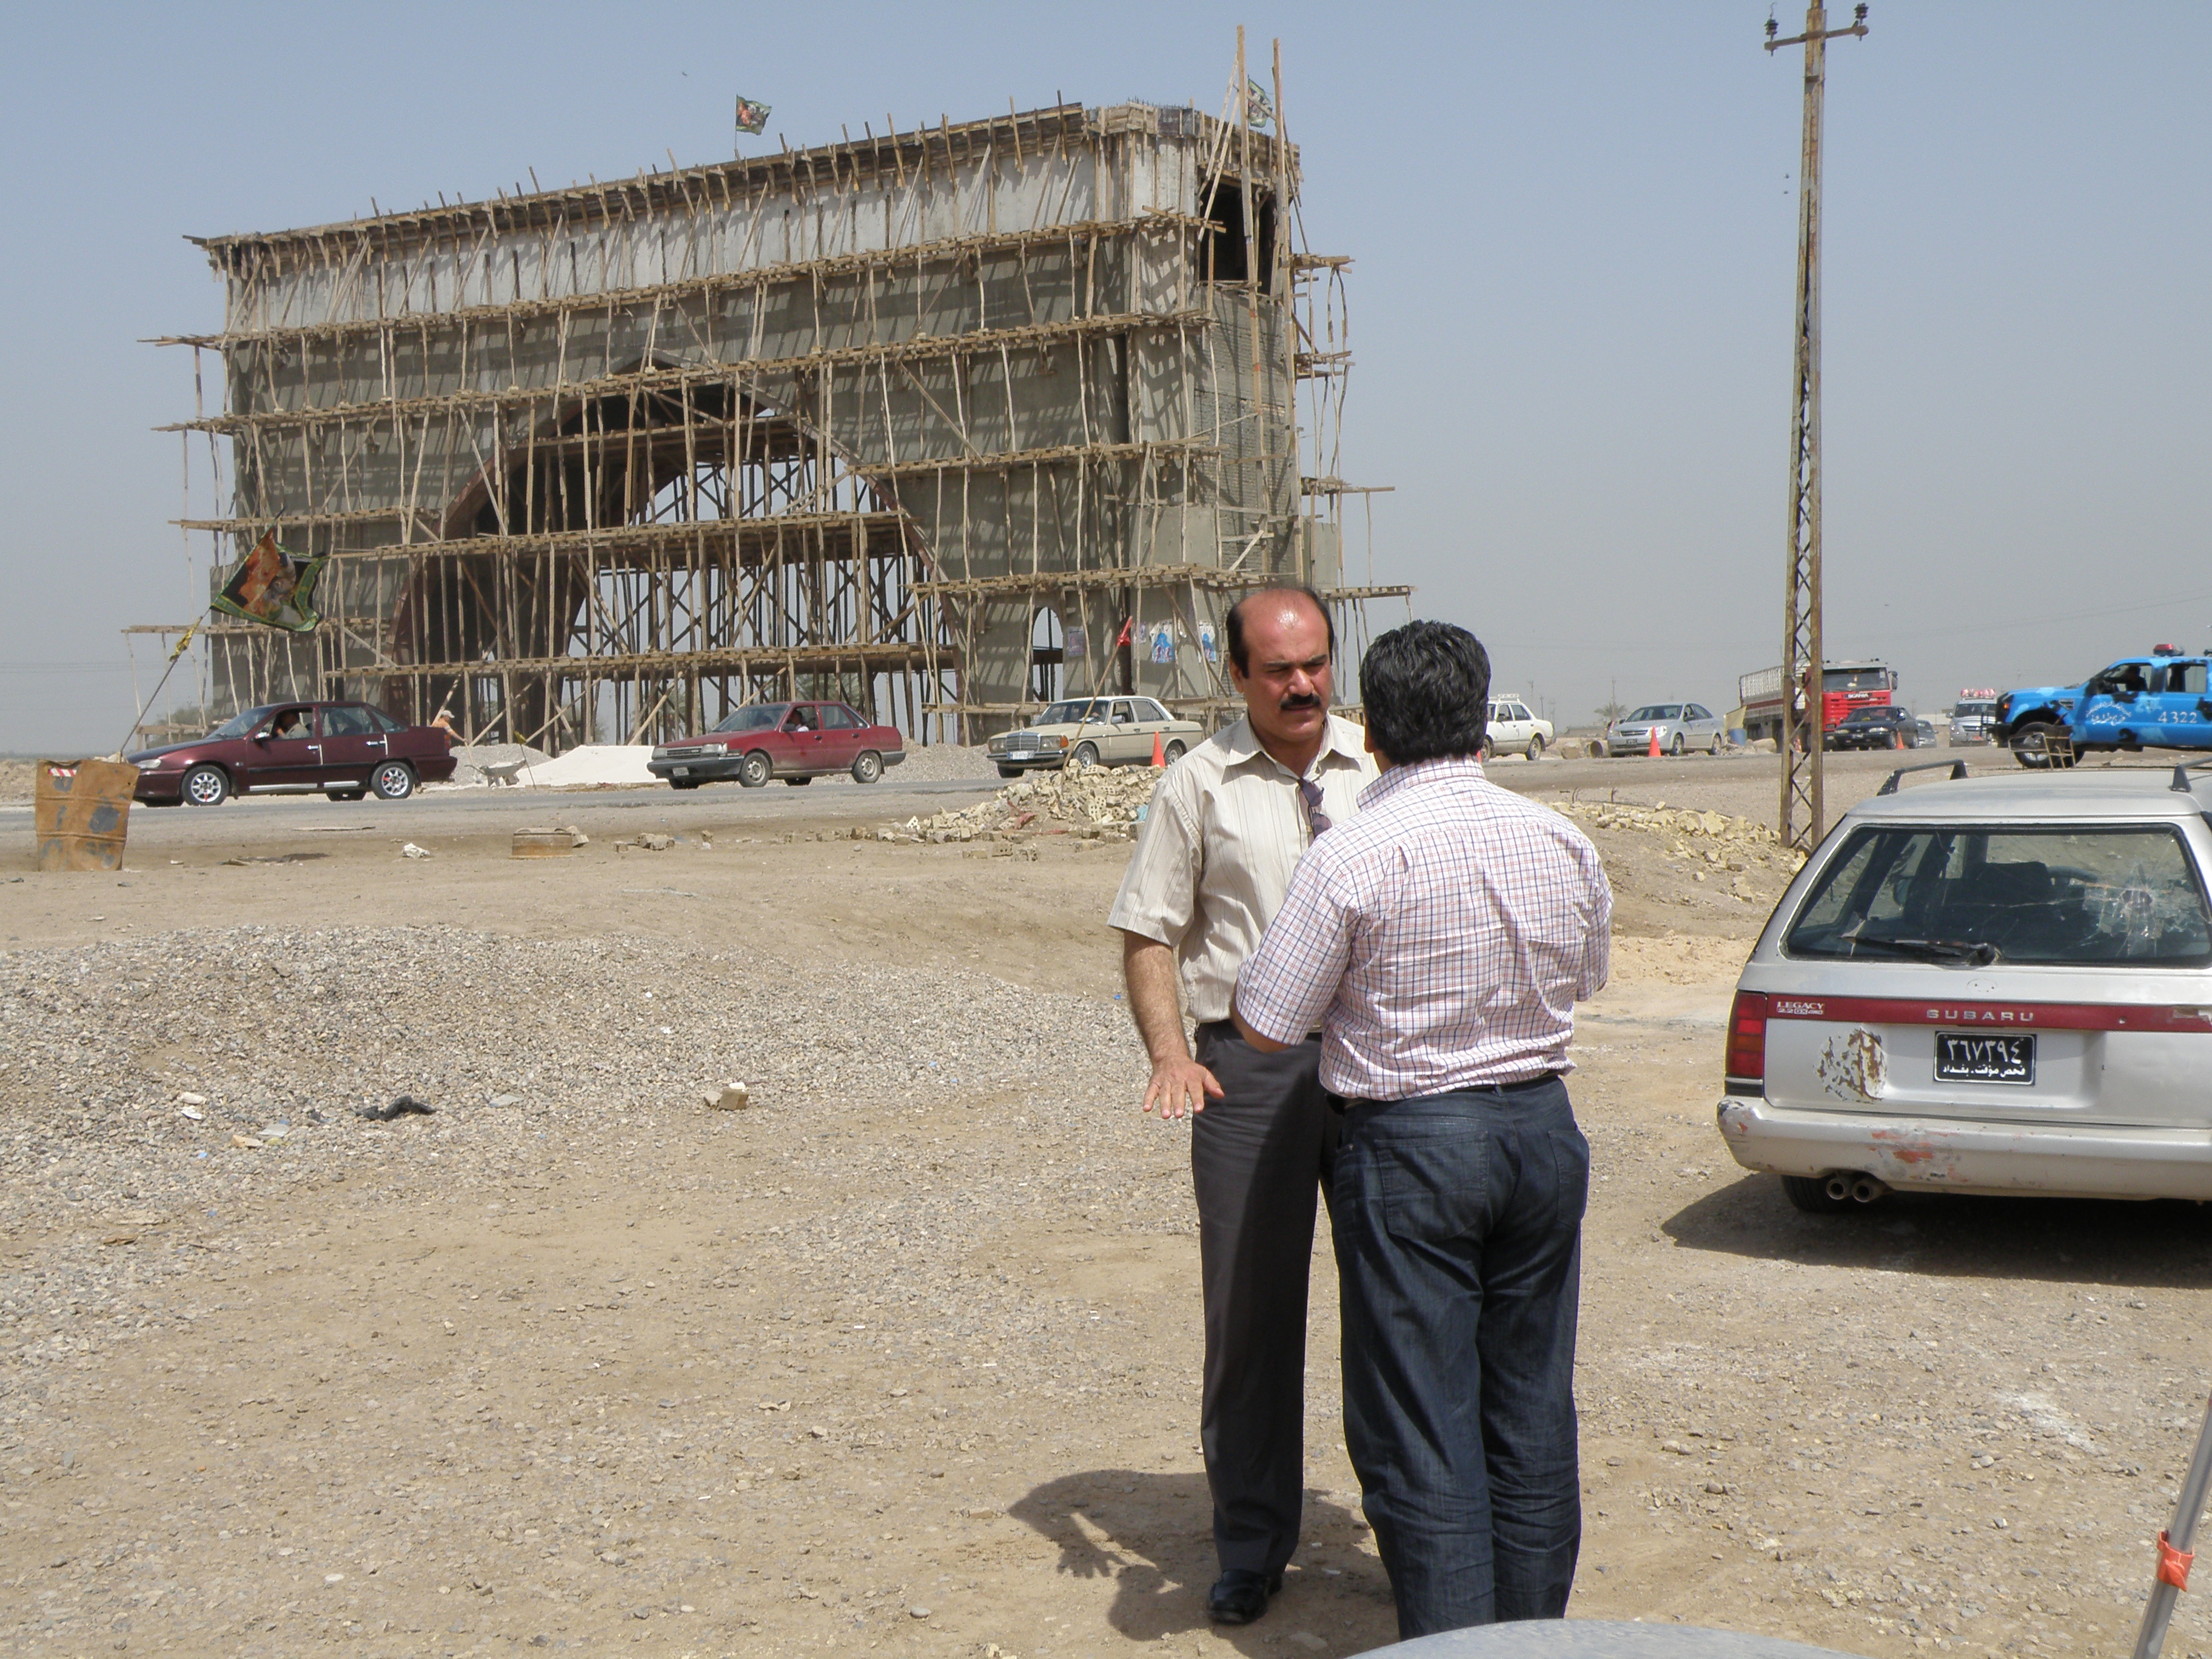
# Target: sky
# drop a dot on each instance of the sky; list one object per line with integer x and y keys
{"x": 1574, "y": 230}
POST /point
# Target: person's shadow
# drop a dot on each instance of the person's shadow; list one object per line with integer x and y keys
{"x": 1153, "y": 1533}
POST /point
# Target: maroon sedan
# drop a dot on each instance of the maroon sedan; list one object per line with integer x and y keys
{"x": 797, "y": 742}
{"x": 345, "y": 749}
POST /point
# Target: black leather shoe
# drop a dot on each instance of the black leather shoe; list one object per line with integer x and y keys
{"x": 1240, "y": 1596}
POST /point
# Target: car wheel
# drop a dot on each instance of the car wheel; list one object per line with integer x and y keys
{"x": 1536, "y": 747}
{"x": 2031, "y": 744}
{"x": 393, "y": 781}
{"x": 799, "y": 782}
{"x": 753, "y": 771}
{"x": 207, "y": 786}
{"x": 1675, "y": 747}
{"x": 1489, "y": 749}
{"x": 1010, "y": 771}
{"x": 867, "y": 766}
{"x": 1810, "y": 1194}
{"x": 1174, "y": 752}
{"x": 1717, "y": 745}
{"x": 345, "y": 794}
{"x": 1086, "y": 754}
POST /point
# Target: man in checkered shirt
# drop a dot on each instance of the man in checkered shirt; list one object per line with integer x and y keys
{"x": 1440, "y": 939}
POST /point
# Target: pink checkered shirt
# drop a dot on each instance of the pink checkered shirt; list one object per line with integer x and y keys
{"x": 1440, "y": 939}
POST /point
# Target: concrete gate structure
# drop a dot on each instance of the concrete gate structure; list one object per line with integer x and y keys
{"x": 594, "y": 465}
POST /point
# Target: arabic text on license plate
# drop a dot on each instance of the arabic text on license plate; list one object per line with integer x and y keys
{"x": 1979, "y": 1057}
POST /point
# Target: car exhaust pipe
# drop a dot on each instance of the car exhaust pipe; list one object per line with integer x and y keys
{"x": 1852, "y": 1185}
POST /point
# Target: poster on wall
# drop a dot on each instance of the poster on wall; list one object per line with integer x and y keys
{"x": 1075, "y": 646}
{"x": 1205, "y": 641}
{"x": 1163, "y": 645}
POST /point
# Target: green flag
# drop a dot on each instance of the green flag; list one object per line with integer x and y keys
{"x": 273, "y": 587}
{"x": 752, "y": 116}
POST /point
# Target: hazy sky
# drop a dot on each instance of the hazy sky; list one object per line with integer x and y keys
{"x": 1574, "y": 229}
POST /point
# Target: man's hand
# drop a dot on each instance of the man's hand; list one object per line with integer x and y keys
{"x": 1180, "y": 1085}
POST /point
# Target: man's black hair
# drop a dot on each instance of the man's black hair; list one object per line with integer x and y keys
{"x": 1426, "y": 687}
{"x": 1235, "y": 622}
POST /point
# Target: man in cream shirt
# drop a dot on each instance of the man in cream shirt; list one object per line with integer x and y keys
{"x": 1228, "y": 824}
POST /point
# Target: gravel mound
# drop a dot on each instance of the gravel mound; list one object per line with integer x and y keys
{"x": 18, "y": 779}
{"x": 508, "y": 1039}
{"x": 942, "y": 762}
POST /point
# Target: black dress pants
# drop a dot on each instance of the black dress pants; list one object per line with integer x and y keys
{"x": 1258, "y": 1157}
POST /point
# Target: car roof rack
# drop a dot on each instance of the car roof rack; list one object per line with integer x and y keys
{"x": 1889, "y": 784}
{"x": 2181, "y": 784}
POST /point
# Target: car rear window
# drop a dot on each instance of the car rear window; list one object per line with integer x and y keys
{"x": 2125, "y": 895}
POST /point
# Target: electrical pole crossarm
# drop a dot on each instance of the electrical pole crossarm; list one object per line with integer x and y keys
{"x": 1813, "y": 32}
{"x": 1858, "y": 28}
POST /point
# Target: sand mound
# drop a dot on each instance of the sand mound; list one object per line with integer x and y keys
{"x": 598, "y": 765}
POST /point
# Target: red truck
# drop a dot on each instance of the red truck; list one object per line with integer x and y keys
{"x": 1844, "y": 686}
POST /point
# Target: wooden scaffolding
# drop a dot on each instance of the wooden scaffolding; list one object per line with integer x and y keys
{"x": 595, "y": 465}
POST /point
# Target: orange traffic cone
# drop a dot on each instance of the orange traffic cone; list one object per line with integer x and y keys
{"x": 1159, "y": 751}
{"x": 1654, "y": 751}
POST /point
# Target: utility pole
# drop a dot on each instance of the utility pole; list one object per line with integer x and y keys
{"x": 1802, "y": 820}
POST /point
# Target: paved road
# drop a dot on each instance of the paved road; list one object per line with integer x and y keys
{"x": 436, "y": 814}
{"x": 439, "y": 814}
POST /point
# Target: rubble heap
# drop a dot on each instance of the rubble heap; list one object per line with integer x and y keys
{"x": 1097, "y": 803}
{"x": 1661, "y": 819}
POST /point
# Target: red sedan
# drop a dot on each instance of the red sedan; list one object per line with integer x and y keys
{"x": 345, "y": 749}
{"x": 797, "y": 742}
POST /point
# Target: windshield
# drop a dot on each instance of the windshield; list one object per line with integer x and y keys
{"x": 1658, "y": 711}
{"x": 1069, "y": 713}
{"x": 754, "y": 717}
{"x": 1857, "y": 679}
{"x": 1871, "y": 716}
{"x": 2127, "y": 896}
{"x": 243, "y": 725}
{"x": 1977, "y": 707}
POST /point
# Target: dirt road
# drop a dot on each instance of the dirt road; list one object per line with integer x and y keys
{"x": 905, "y": 1358}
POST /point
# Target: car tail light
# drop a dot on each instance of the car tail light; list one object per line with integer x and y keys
{"x": 1746, "y": 1064}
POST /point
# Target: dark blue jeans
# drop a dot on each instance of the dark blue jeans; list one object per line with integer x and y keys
{"x": 1459, "y": 1247}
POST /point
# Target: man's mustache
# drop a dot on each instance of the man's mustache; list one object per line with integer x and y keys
{"x": 1299, "y": 700}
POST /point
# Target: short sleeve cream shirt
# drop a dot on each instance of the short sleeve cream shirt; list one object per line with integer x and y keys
{"x": 1214, "y": 856}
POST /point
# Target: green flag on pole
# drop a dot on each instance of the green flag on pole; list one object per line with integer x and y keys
{"x": 752, "y": 116}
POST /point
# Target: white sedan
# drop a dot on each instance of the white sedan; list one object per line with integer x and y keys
{"x": 1515, "y": 731}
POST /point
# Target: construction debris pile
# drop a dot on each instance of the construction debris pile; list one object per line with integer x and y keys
{"x": 1739, "y": 856}
{"x": 1619, "y": 815}
{"x": 1092, "y": 803}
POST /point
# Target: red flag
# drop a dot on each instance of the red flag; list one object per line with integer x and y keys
{"x": 1126, "y": 625}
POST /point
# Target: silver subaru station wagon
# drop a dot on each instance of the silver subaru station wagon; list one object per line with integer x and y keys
{"x": 1987, "y": 985}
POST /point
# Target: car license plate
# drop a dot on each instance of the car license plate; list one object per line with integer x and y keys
{"x": 681, "y": 771}
{"x": 1979, "y": 1057}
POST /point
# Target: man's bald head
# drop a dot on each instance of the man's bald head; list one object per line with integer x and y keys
{"x": 1273, "y": 600}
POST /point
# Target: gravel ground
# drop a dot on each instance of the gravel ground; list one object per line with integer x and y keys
{"x": 904, "y": 1358}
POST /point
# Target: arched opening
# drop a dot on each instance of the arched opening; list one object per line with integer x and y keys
{"x": 653, "y": 558}
{"x": 1047, "y": 656}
